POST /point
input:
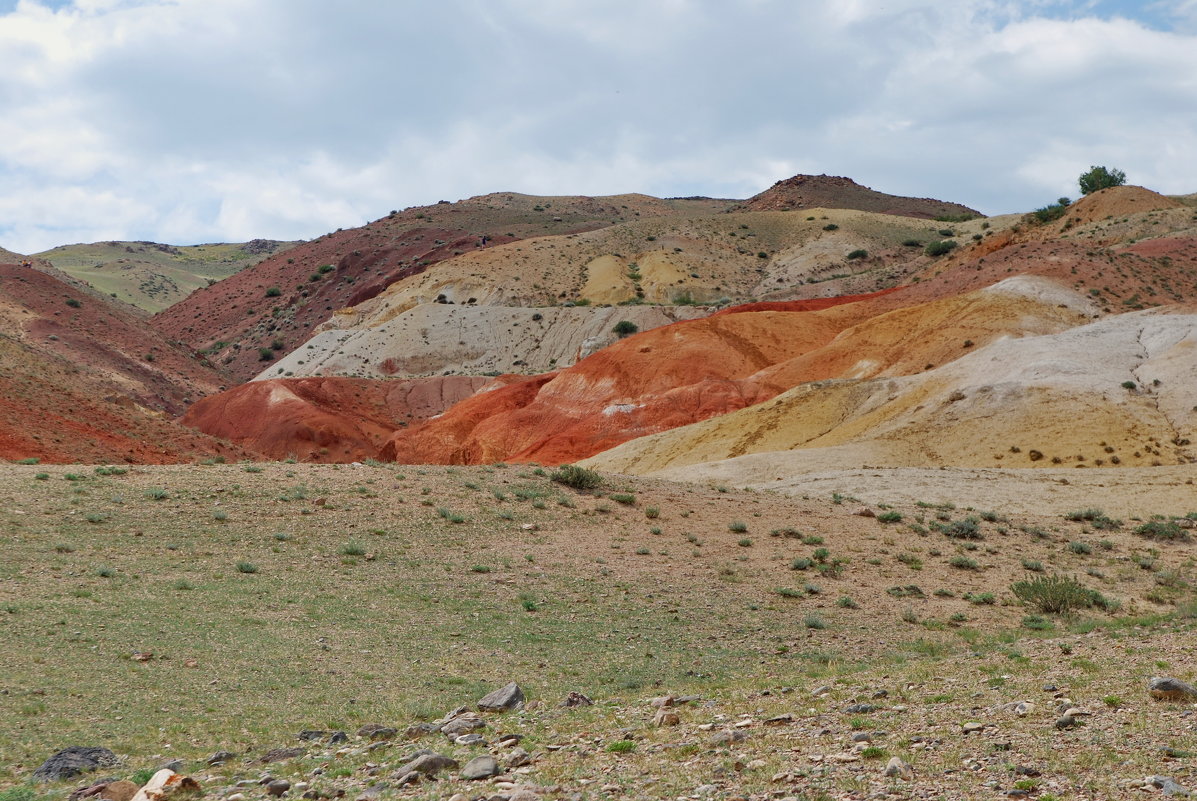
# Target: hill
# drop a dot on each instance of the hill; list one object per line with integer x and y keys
{"x": 703, "y": 369}
{"x": 153, "y": 276}
{"x": 836, "y": 192}
{"x": 324, "y": 419}
{"x": 1109, "y": 393}
{"x": 256, "y": 315}
{"x": 479, "y": 312}
{"x": 85, "y": 379}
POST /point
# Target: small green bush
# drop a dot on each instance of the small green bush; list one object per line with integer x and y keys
{"x": 578, "y": 478}
{"x": 890, "y": 517}
{"x": 625, "y": 328}
{"x": 1164, "y": 530}
{"x": 1057, "y": 594}
{"x": 738, "y": 526}
{"x": 626, "y": 498}
{"x": 940, "y": 247}
{"x": 859, "y": 253}
{"x": 247, "y": 567}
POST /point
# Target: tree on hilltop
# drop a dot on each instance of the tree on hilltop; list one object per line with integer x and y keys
{"x": 1100, "y": 178}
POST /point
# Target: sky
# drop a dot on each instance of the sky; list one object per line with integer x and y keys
{"x": 188, "y": 121}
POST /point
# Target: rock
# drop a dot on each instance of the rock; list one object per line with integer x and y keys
{"x": 122, "y": 790}
{"x": 313, "y": 734}
{"x": 470, "y": 739}
{"x": 662, "y": 701}
{"x": 459, "y": 797}
{"x": 73, "y": 761}
{"x": 780, "y": 720}
{"x": 864, "y": 511}
{"x": 729, "y": 736}
{"x": 523, "y": 794}
{"x": 376, "y": 731}
{"x": 278, "y": 787}
{"x": 820, "y": 691}
{"x": 418, "y": 730}
{"x": 517, "y": 759}
{"x": 1168, "y": 787}
{"x": 862, "y": 737}
{"x": 108, "y": 789}
{"x": 428, "y": 763}
{"x": 236, "y": 797}
{"x": 504, "y": 699}
{"x": 173, "y": 765}
{"x": 861, "y": 709}
{"x": 481, "y": 767}
{"x": 666, "y": 717}
{"x": 576, "y": 699}
{"x": 973, "y": 727}
{"x": 1165, "y": 688}
{"x": 220, "y": 757}
{"x": 411, "y": 777}
{"x": 897, "y": 768}
{"x": 280, "y": 754}
{"x": 462, "y": 725}
{"x": 1066, "y": 722}
{"x": 167, "y": 784}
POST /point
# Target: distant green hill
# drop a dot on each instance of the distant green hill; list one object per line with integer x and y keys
{"x": 153, "y": 276}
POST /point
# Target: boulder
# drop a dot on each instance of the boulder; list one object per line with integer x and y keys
{"x": 506, "y": 698}
{"x": 482, "y": 767}
{"x": 1165, "y": 688}
{"x": 73, "y": 761}
{"x": 167, "y": 784}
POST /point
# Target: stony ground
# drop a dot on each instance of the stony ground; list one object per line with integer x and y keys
{"x": 734, "y": 643}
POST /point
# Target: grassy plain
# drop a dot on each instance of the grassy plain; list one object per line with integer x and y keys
{"x": 280, "y": 597}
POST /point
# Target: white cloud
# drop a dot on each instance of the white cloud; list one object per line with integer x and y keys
{"x": 195, "y": 120}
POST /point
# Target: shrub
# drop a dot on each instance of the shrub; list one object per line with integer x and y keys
{"x": 813, "y": 621}
{"x": 1050, "y": 212}
{"x": 652, "y": 512}
{"x": 831, "y": 227}
{"x": 1096, "y": 178}
{"x": 968, "y": 528}
{"x": 738, "y": 526}
{"x": 621, "y": 746}
{"x": 625, "y": 328}
{"x": 1081, "y": 548}
{"x": 578, "y": 478}
{"x": 247, "y": 567}
{"x": 890, "y": 517}
{"x": 745, "y": 542}
{"x": 626, "y": 498}
{"x": 155, "y": 494}
{"x": 859, "y": 253}
{"x": 963, "y": 562}
{"x": 940, "y": 247}
{"x": 1057, "y": 594}
{"x": 273, "y": 292}
{"x": 352, "y": 549}
{"x": 1166, "y": 530}
{"x": 265, "y": 354}
{"x": 846, "y": 602}
{"x": 73, "y": 303}
{"x": 1094, "y": 517}
{"x": 912, "y": 243}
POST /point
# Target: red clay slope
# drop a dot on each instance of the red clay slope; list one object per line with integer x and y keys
{"x": 235, "y": 318}
{"x": 325, "y": 419}
{"x": 75, "y": 386}
{"x": 833, "y": 192}
{"x": 649, "y": 382}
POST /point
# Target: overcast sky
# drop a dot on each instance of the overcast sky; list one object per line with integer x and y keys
{"x": 189, "y": 121}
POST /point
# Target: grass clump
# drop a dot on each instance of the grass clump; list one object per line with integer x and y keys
{"x": 626, "y": 498}
{"x": 579, "y": 478}
{"x": 247, "y": 567}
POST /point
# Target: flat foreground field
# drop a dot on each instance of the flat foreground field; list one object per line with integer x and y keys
{"x": 173, "y": 612}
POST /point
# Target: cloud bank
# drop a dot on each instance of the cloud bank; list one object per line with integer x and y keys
{"x": 222, "y": 120}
